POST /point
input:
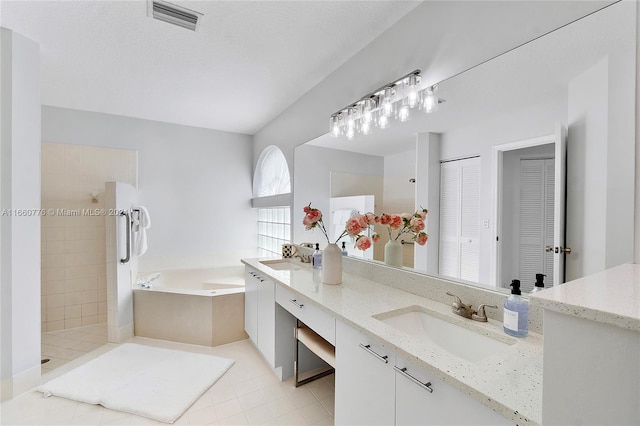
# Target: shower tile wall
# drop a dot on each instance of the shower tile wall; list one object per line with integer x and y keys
{"x": 74, "y": 281}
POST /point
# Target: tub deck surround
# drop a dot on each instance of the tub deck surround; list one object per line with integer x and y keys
{"x": 611, "y": 297}
{"x": 509, "y": 382}
{"x": 196, "y": 306}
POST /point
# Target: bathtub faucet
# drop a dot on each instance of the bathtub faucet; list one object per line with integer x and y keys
{"x": 147, "y": 282}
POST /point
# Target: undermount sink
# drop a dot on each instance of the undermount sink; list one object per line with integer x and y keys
{"x": 462, "y": 342}
{"x": 282, "y": 264}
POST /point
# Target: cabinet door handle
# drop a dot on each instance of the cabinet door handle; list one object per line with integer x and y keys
{"x": 403, "y": 371}
{"x": 295, "y": 302}
{"x": 382, "y": 358}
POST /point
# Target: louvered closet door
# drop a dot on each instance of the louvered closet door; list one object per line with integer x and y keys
{"x": 459, "y": 219}
{"x": 536, "y": 220}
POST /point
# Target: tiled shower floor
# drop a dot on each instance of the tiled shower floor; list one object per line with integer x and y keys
{"x": 63, "y": 346}
{"x": 248, "y": 394}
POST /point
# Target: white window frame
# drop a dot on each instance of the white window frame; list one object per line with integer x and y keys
{"x": 273, "y": 204}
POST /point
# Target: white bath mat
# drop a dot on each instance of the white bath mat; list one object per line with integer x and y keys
{"x": 160, "y": 384}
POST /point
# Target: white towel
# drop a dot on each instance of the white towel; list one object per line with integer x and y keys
{"x": 140, "y": 227}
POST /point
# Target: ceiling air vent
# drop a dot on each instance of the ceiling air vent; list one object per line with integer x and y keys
{"x": 176, "y": 15}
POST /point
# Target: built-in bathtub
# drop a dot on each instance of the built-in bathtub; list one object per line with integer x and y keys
{"x": 197, "y": 306}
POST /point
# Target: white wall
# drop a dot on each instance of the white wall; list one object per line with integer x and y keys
{"x": 586, "y": 204}
{"x": 19, "y": 235}
{"x": 196, "y": 184}
{"x": 600, "y": 175}
{"x": 399, "y": 195}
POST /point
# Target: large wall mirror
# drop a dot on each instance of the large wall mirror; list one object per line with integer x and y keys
{"x": 526, "y": 167}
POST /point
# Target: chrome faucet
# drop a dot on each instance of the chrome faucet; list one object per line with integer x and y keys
{"x": 147, "y": 282}
{"x": 480, "y": 315}
{"x": 299, "y": 253}
{"x": 467, "y": 311}
{"x": 304, "y": 258}
{"x": 460, "y": 308}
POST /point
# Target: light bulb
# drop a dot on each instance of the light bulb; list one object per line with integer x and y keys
{"x": 367, "y": 111}
{"x": 387, "y": 106}
{"x": 365, "y": 127}
{"x": 351, "y": 117}
{"x": 413, "y": 97}
{"x": 403, "y": 112}
{"x": 351, "y": 132}
{"x": 430, "y": 102}
{"x": 383, "y": 121}
{"x": 335, "y": 125}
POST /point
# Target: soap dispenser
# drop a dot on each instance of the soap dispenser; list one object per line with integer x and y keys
{"x": 539, "y": 283}
{"x": 516, "y": 312}
{"x": 344, "y": 249}
{"x": 317, "y": 258}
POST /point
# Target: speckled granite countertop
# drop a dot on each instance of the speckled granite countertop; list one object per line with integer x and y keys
{"x": 611, "y": 297}
{"x": 509, "y": 382}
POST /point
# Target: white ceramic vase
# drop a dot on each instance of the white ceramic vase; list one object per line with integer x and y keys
{"x": 393, "y": 253}
{"x": 332, "y": 264}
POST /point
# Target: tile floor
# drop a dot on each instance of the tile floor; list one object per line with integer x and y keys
{"x": 248, "y": 394}
{"x": 63, "y": 346}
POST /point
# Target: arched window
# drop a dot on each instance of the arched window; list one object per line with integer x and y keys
{"x": 274, "y": 213}
{"x": 272, "y": 173}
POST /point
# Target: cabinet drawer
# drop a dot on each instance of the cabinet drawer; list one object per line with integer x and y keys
{"x": 422, "y": 399}
{"x": 314, "y": 317}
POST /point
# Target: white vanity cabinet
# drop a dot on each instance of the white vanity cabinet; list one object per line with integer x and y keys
{"x": 259, "y": 313}
{"x": 268, "y": 325}
{"x": 376, "y": 386}
{"x": 365, "y": 388}
{"x": 421, "y": 399}
{"x": 267, "y": 319}
{"x": 251, "y": 304}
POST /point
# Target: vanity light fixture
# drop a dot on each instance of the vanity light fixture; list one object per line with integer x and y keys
{"x": 391, "y": 101}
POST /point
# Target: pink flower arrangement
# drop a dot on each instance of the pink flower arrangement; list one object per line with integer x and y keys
{"x": 353, "y": 228}
{"x": 406, "y": 224}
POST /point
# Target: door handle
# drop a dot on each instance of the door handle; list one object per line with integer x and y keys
{"x": 548, "y": 249}
{"x": 127, "y": 217}
{"x": 565, "y": 250}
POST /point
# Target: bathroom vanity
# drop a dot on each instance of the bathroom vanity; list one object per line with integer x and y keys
{"x": 388, "y": 370}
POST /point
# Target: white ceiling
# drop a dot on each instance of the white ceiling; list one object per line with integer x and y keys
{"x": 248, "y": 61}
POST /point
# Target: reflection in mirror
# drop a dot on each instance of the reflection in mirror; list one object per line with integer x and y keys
{"x": 577, "y": 78}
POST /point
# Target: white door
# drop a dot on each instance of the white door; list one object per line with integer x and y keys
{"x": 459, "y": 219}
{"x": 536, "y": 217}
